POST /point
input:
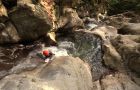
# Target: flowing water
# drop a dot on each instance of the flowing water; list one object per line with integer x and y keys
{"x": 12, "y": 55}
{"x": 85, "y": 45}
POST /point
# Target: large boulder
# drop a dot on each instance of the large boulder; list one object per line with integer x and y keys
{"x": 64, "y": 73}
{"x": 122, "y": 54}
{"x": 30, "y": 20}
{"x": 69, "y": 20}
{"x": 23, "y": 20}
{"x": 8, "y": 33}
{"x": 129, "y": 51}
{"x": 111, "y": 57}
{"x": 118, "y": 82}
{"x": 130, "y": 28}
{"x": 121, "y": 20}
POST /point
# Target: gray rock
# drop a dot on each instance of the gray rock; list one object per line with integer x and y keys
{"x": 70, "y": 20}
{"x": 121, "y": 53}
{"x": 67, "y": 73}
{"x": 31, "y": 21}
{"x": 63, "y": 73}
{"x": 130, "y": 28}
{"x": 8, "y": 33}
{"x": 118, "y": 82}
{"x": 111, "y": 57}
{"x": 129, "y": 51}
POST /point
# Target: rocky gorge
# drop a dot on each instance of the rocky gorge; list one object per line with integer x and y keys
{"x": 90, "y": 54}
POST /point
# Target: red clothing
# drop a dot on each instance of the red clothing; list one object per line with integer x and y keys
{"x": 46, "y": 53}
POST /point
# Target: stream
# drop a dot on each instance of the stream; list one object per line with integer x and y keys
{"x": 17, "y": 58}
{"x": 85, "y": 45}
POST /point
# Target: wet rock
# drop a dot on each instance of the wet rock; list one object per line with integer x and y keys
{"x": 122, "y": 19}
{"x": 121, "y": 53}
{"x": 84, "y": 8}
{"x": 61, "y": 74}
{"x": 134, "y": 64}
{"x": 22, "y": 2}
{"x": 119, "y": 50}
{"x": 69, "y": 20}
{"x": 130, "y": 28}
{"x": 25, "y": 20}
{"x": 87, "y": 46}
{"x": 66, "y": 72}
{"x": 15, "y": 59}
{"x": 129, "y": 51}
{"x": 57, "y": 51}
{"x": 105, "y": 32}
{"x": 8, "y": 34}
{"x": 31, "y": 21}
{"x": 118, "y": 82}
{"x": 90, "y": 23}
{"x": 111, "y": 57}
{"x": 135, "y": 38}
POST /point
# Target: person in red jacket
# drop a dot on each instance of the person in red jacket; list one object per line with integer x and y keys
{"x": 48, "y": 55}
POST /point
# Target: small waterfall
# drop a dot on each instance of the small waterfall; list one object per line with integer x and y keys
{"x": 86, "y": 46}
{"x": 80, "y": 44}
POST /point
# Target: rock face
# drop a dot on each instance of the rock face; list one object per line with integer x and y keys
{"x": 31, "y": 21}
{"x": 121, "y": 52}
{"x": 118, "y": 82}
{"x": 8, "y": 33}
{"x": 10, "y": 55}
{"x": 64, "y": 73}
{"x": 125, "y": 44}
{"x": 82, "y": 7}
{"x": 23, "y": 22}
{"x": 130, "y": 28}
{"x": 121, "y": 20}
{"x": 34, "y": 18}
{"x": 129, "y": 51}
{"x": 69, "y": 20}
{"x": 111, "y": 56}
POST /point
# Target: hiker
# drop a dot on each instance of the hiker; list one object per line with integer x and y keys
{"x": 46, "y": 55}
